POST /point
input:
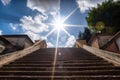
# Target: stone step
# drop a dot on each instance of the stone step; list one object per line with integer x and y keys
{"x": 92, "y": 77}
{"x": 65, "y": 73}
{"x": 61, "y": 68}
{"x": 72, "y": 64}
{"x": 50, "y": 65}
{"x": 36, "y": 62}
{"x": 62, "y": 63}
{"x": 72, "y": 60}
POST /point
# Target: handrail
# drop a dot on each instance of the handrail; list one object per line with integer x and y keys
{"x": 7, "y": 58}
{"x": 112, "y": 57}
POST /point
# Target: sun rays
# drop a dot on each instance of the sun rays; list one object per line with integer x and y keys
{"x": 59, "y": 25}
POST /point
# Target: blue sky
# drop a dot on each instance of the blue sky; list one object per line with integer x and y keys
{"x": 31, "y": 17}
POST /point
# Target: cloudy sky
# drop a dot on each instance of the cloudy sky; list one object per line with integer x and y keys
{"x": 33, "y": 17}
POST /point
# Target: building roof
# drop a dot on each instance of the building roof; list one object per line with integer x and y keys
{"x": 18, "y": 36}
{"x": 4, "y": 40}
{"x": 117, "y": 35}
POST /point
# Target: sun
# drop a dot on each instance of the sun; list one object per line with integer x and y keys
{"x": 59, "y": 24}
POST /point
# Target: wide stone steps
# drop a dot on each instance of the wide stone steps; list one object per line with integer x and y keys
{"x": 50, "y": 65}
{"x": 99, "y": 77}
{"x": 63, "y": 68}
{"x": 59, "y": 72}
{"x": 71, "y": 64}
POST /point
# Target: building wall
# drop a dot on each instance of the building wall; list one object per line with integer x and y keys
{"x": 107, "y": 42}
{"x": 42, "y": 43}
{"x": 17, "y": 41}
{"x": 2, "y": 48}
{"x": 80, "y": 43}
{"x": 22, "y": 42}
{"x": 112, "y": 47}
{"x": 103, "y": 39}
{"x": 27, "y": 43}
{"x": 95, "y": 43}
{"x": 100, "y": 40}
{"x": 118, "y": 43}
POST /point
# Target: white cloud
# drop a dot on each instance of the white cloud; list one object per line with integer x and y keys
{"x": 63, "y": 38}
{"x": 44, "y": 6}
{"x": 116, "y": 0}
{"x": 5, "y": 2}
{"x": 13, "y": 26}
{"x": 33, "y": 35}
{"x": 1, "y": 32}
{"x": 34, "y": 24}
{"x": 49, "y": 44}
{"x": 88, "y": 4}
{"x": 71, "y": 41}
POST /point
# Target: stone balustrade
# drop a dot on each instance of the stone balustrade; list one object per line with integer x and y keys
{"x": 106, "y": 55}
{"x": 9, "y": 57}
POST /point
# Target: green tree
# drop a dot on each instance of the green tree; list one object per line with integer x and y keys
{"x": 86, "y": 35}
{"x": 80, "y": 35}
{"x": 108, "y": 13}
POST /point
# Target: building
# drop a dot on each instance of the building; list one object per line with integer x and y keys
{"x": 98, "y": 40}
{"x": 6, "y": 46}
{"x": 79, "y": 43}
{"x": 22, "y": 41}
{"x": 2, "y": 48}
{"x": 42, "y": 43}
{"x": 15, "y": 42}
{"x": 113, "y": 44}
{"x": 109, "y": 42}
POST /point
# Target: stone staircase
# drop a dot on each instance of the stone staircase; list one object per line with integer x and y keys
{"x": 71, "y": 64}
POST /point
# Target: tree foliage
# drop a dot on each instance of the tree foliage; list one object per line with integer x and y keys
{"x": 86, "y": 35}
{"x": 108, "y": 12}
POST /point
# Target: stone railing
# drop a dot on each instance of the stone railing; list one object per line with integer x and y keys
{"x": 106, "y": 55}
{"x": 10, "y": 57}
